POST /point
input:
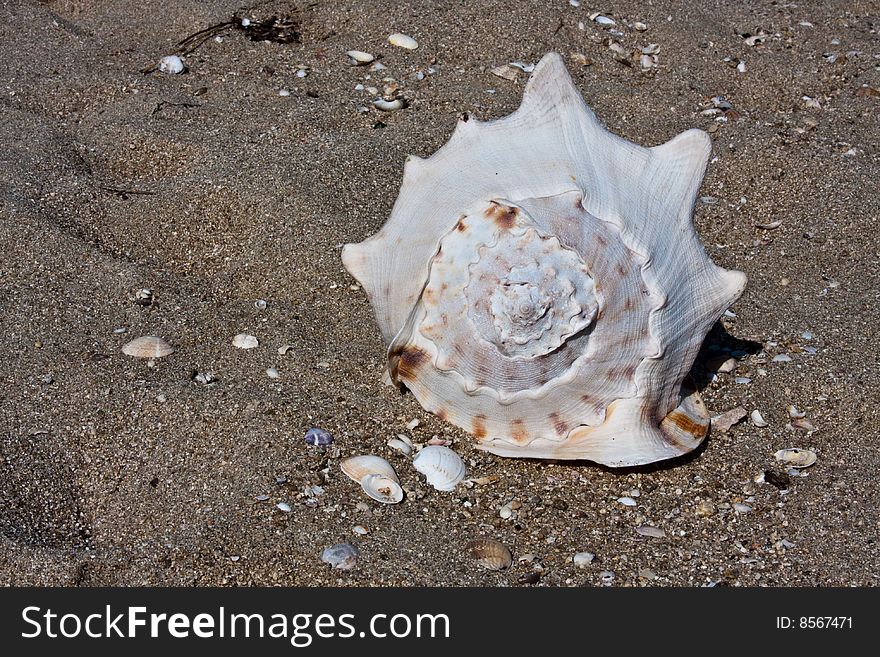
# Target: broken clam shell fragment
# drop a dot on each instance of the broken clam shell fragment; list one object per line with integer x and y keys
{"x": 796, "y": 458}
{"x": 245, "y": 341}
{"x": 442, "y": 467}
{"x": 342, "y": 556}
{"x": 490, "y": 554}
{"x": 148, "y": 346}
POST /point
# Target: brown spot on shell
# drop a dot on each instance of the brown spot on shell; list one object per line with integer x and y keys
{"x": 411, "y": 359}
{"x": 503, "y": 215}
{"x": 478, "y": 427}
{"x": 442, "y": 414}
{"x": 684, "y": 423}
{"x": 518, "y": 431}
{"x": 559, "y": 424}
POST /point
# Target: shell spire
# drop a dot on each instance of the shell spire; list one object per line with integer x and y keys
{"x": 540, "y": 283}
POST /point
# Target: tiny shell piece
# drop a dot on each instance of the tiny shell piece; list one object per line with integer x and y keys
{"x": 651, "y": 532}
{"x": 627, "y": 501}
{"x": 442, "y": 467}
{"x": 758, "y": 419}
{"x": 318, "y": 437}
{"x": 148, "y": 346}
{"x": 359, "y": 57}
{"x": 505, "y": 71}
{"x": 583, "y": 559}
{"x": 245, "y": 341}
{"x": 726, "y": 420}
{"x": 342, "y": 556}
{"x": 382, "y": 488}
{"x": 171, "y": 64}
{"x": 796, "y": 458}
{"x": 490, "y": 554}
{"x": 389, "y": 105}
{"x": 400, "y": 445}
{"x": 403, "y": 41}
{"x": 358, "y": 467}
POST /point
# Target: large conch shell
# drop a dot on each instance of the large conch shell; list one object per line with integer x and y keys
{"x": 541, "y": 285}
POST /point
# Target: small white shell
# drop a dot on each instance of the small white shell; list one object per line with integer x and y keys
{"x": 382, "y": 488}
{"x": 389, "y": 105}
{"x": 442, "y": 467}
{"x": 359, "y": 57}
{"x": 245, "y": 341}
{"x": 490, "y": 554}
{"x": 148, "y": 346}
{"x": 758, "y": 419}
{"x": 401, "y": 445}
{"x": 171, "y": 64}
{"x": 403, "y": 41}
{"x": 796, "y": 458}
{"x": 358, "y": 467}
{"x": 583, "y": 559}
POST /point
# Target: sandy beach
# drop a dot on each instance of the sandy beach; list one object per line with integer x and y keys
{"x": 240, "y": 179}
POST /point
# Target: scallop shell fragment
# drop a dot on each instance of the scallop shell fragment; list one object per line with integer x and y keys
{"x": 148, "y": 346}
{"x": 796, "y": 458}
{"x": 490, "y": 554}
{"x": 442, "y": 467}
{"x": 541, "y": 285}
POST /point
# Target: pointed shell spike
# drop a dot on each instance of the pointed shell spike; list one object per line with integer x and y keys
{"x": 541, "y": 285}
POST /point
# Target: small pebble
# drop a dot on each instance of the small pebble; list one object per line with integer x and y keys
{"x": 739, "y": 507}
{"x": 245, "y": 341}
{"x": 606, "y": 577}
{"x": 283, "y": 506}
{"x": 284, "y": 93}
{"x": 260, "y": 304}
{"x": 626, "y": 501}
{"x": 261, "y": 498}
{"x": 782, "y": 358}
{"x": 360, "y": 530}
{"x": 273, "y": 373}
{"x": 704, "y": 509}
{"x": 742, "y": 380}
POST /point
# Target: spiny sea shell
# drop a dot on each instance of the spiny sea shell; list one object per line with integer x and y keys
{"x": 382, "y": 488}
{"x": 358, "y": 467}
{"x": 540, "y": 283}
{"x": 796, "y": 458}
{"x": 148, "y": 346}
{"x": 442, "y": 467}
{"x": 489, "y": 553}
